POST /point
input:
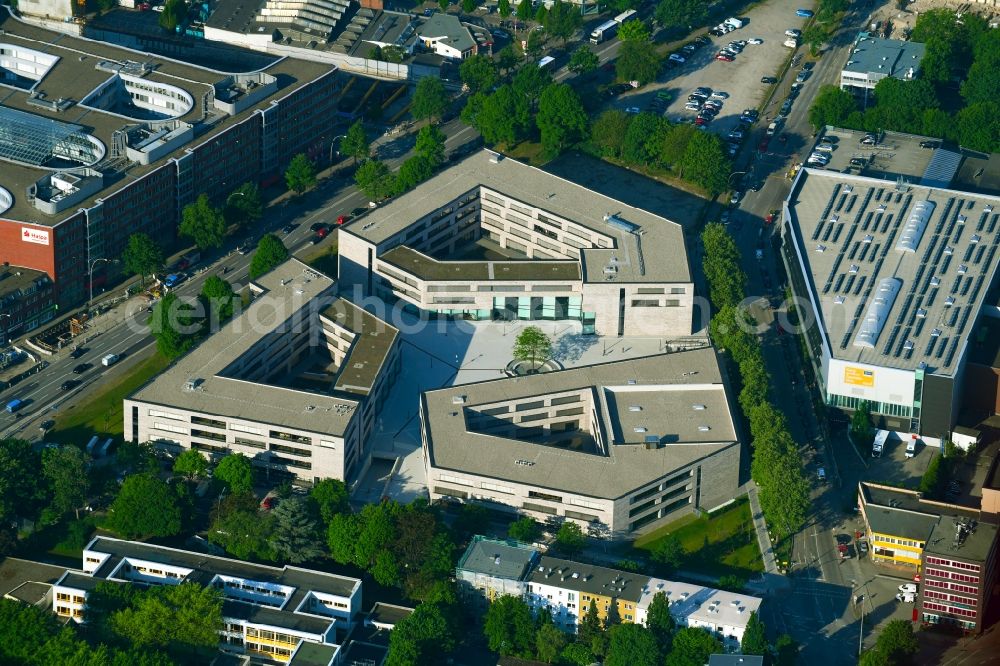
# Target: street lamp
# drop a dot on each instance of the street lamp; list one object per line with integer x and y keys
{"x": 91, "y": 273}
{"x": 735, "y": 173}
{"x": 333, "y": 142}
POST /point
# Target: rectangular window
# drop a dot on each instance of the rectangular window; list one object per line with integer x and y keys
{"x": 169, "y": 428}
{"x": 291, "y": 450}
{"x": 525, "y": 406}
{"x": 496, "y": 488}
{"x": 564, "y": 400}
{"x": 544, "y": 496}
{"x": 242, "y": 441}
{"x": 166, "y": 415}
{"x": 645, "y": 303}
{"x": 201, "y": 420}
{"x": 449, "y": 478}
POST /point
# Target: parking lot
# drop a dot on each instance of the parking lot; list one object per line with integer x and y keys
{"x": 893, "y": 466}
{"x": 741, "y": 79}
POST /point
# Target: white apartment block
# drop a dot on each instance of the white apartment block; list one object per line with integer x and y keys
{"x": 493, "y": 239}
{"x": 723, "y": 613}
{"x": 623, "y": 447}
{"x": 294, "y": 383}
{"x": 267, "y": 611}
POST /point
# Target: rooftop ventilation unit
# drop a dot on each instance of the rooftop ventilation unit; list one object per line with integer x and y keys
{"x": 868, "y": 239}
{"x": 948, "y": 302}
{"x": 935, "y": 281}
{"x": 699, "y": 408}
{"x": 639, "y": 429}
{"x": 921, "y": 313}
{"x": 631, "y": 382}
{"x": 704, "y": 428}
{"x": 913, "y": 230}
{"x": 948, "y": 249}
{"x": 635, "y": 408}
{"x": 821, "y": 248}
{"x": 458, "y": 399}
{"x": 853, "y": 269}
{"x": 936, "y": 333}
{"x": 963, "y": 269}
{"x": 621, "y": 224}
{"x": 839, "y": 300}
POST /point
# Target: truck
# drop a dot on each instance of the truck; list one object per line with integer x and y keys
{"x": 735, "y": 22}
{"x": 603, "y": 32}
{"x": 14, "y": 405}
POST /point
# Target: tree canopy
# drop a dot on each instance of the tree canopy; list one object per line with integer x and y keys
{"x": 634, "y": 30}
{"x": 191, "y": 463}
{"x": 243, "y": 205}
{"x": 429, "y": 99}
{"x": 270, "y": 253}
{"x": 706, "y": 163}
{"x": 754, "y": 639}
{"x": 330, "y": 497}
{"x": 355, "y": 143}
{"x": 562, "y": 20}
{"x": 300, "y": 174}
{"x": 509, "y": 627}
{"x": 532, "y": 345}
{"x": 184, "y": 618}
{"x": 296, "y": 532}
{"x": 242, "y": 529}
{"x": 203, "y": 223}
{"x": 637, "y": 61}
{"x": 692, "y": 646}
{"x": 583, "y": 60}
{"x": 430, "y": 145}
{"x": 422, "y": 637}
{"x": 524, "y": 529}
{"x": 561, "y": 118}
{"x": 174, "y": 14}
{"x": 631, "y": 645}
{"x": 681, "y": 13}
{"x": 145, "y": 507}
{"x": 570, "y": 539}
{"x": 375, "y": 180}
{"x": 219, "y": 299}
{"x": 478, "y": 72}
{"x": 65, "y": 470}
{"x": 142, "y": 256}
{"x": 236, "y": 471}
{"x": 171, "y": 324}
{"x": 831, "y": 107}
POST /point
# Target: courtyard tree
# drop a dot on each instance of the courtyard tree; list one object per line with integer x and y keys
{"x": 236, "y": 471}
{"x": 270, "y": 252}
{"x": 203, "y": 223}
{"x": 692, "y": 646}
{"x": 242, "y": 529}
{"x": 510, "y": 627}
{"x": 185, "y": 619}
{"x": 422, "y": 637}
{"x": 145, "y": 507}
{"x": 430, "y": 99}
{"x": 549, "y": 641}
{"x": 631, "y": 645}
{"x": 330, "y": 497}
{"x": 525, "y": 10}
{"x": 570, "y": 539}
{"x": 300, "y": 174}
{"x": 532, "y": 345}
{"x": 660, "y": 621}
{"x": 142, "y": 256}
{"x": 669, "y": 552}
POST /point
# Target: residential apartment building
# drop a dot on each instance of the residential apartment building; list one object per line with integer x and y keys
{"x": 104, "y": 142}
{"x": 566, "y": 589}
{"x": 620, "y": 447}
{"x": 952, "y": 547}
{"x": 893, "y": 261}
{"x": 268, "y": 612}
{"x": 558, "y": 251}
{"x": 294, "y": 383}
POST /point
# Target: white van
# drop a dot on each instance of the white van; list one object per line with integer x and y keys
{"x": 110, "y": 360}
{"x": 791, "y": 43}
{"x": 911, "y": 448}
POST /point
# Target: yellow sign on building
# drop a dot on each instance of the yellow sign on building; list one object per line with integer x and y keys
{"x": 859, "y": 376}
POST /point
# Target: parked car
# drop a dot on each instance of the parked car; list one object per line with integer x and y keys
{"x": 725, "y": 57}
{"x": 735, "y": 197}
{"x": 718, "y": 94}
{"x": 930, "y": 144}
{"x": 821, "y": 473}
{"x": 769, "y": 80}
{"x": 792, "y": 32}
{"x": 174, "y": 279}
{"x": 289, "y": 228}
{"x": 908, "y": 587}
{"x": 770, "y": 217}
{"x": 804, "y": 13}
{"x": 678, "y": 58}
{"x": 755, "y": 41}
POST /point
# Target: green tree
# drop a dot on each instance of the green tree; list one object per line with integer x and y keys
{"x": 669, "y": 552}
{"x": 541, "y": 12}
{"x": 631, "y": 645}
{"x": 731, "y": 583}
{"x": 171, "y": 325}
{"x": 705, "y": 162}
{"x": 508, "y": 58}
{"x": 203, "y": 223}
{"x": 478, "y": 72}
{"x": 831, "y": 107}
{"x": 536, "y": 40}
{"x": 583, "y": 60}
{"x": 300, "y": 174}
{"x": 243, "y": 205}
{"x": 577, "y": 654}
{"x": 429, "y": 99}
{"x": 145, "y": 507}
{"x": 861, "y": 424}
{"x": 174, "y": 14}
{"x": 754, "y": 639}
{"x": 355, "y": 143}
{"x": 561, "y": 118}
{"x": 469, "y": 6}
{"x": 660, "y": 621}
{"x": 530, "y": 82}
{"x": 65, "y": 470}
{"x": 236, "y": 471}
{"x": 443, "y": 4}
{"x": 219, "y": 299}
{"x": 608, "y": 132}
{"x": 241, "y": 529}
{"x": 874, "y": 658}
{"x": 341, "y": 536}
{"x": 142, "y": 256}
{"x": 549, "y": 642}
{"x": 23, "y": 628}
{"x": 270, "y": 254}
{"x": 930, "y": 482}
{"x": 183, "y": 618}
{"x": 979, "y": 126}
{"x": 330, "y": 497}
{"x": 509, "y": 627}
{"x": 412, "y": 172}
{"x": 374, "y": 180}
{"x": 674, "y": 143}
{"x": 503, "y": 8}
{"x": 637, "y": 61}
{"x": 136, "y": 457}
{"x": 524, "y": 529}
{"x": 726, "y": 279}
{"x": 430, "y": 145}
{"x": 296, "y": 532}
{"x": 641, "y": 144}
{"x": 692, "y": 647}
{"x": 422, "y": 637}
{"x": 897, "y": 641}
{"x": 532, "y": 345}
{"x": 786, "y": 651}
{"x": 590, "y": 625}
{"x": 612, "y": 618}
{"x": 525, "y": 10}
{"x": 562, "y": 20}
{"x": 191, "y": 463}
{"x": 570, "y": 539}
{"x": 634, "y": 30}
{"x": 681, "y": 13}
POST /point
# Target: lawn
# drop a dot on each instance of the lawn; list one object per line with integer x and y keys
{"x": 324, "y": 260}
{"x": 719, "y": 544}
{"x": 101, "y": 413}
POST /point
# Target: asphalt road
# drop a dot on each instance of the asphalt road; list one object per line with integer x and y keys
{"x": 123, "y": 330}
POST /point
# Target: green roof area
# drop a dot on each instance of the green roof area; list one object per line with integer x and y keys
{"x": 431, "y": 270}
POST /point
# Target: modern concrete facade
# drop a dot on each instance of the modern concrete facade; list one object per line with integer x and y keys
{"x": 294, "y": 383}
{"x": 491, "y": 238}
{"x": 566, "y": 589}
{"x": 267, "y": 611}
{"x": 98, "y": 142}
{"x": 620, "y": 446}
{"x": 890, "y": 280}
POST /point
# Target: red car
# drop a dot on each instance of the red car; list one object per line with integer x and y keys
{"x": 762, "y": 146}
{"x": 724, "y": 57}
{"x": 322, "y": 232}
{"x": 770, "y": 217}
{"x": 699, "y": 121}
{"x": 341, "y": 219}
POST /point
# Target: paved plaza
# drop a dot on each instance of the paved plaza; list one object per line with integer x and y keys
{"x": 438, "y": 353}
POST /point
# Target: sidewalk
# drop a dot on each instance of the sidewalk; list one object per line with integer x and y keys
{"x": 763, "y": 538}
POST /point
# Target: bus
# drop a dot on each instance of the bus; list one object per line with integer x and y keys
{"x": 604, "y": 31}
